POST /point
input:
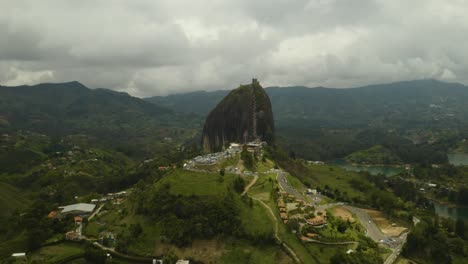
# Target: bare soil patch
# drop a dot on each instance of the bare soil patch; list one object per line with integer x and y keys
{"x": 340, "y": 211}
{"x": 384, "y": 224}
{"x": 208, "y": 250}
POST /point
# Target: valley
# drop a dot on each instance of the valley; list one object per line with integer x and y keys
{"x": 157, "y": 194}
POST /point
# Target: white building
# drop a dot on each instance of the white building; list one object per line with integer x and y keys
{"x": 78, "y": 209}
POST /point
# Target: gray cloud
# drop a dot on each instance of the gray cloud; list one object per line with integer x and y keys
{"x": 149, "y": 47}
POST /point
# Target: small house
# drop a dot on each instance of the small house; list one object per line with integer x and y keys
{"x": 52, "y": 214}
{"x": 284, "y": 216}
{"x": 316, "y": 221}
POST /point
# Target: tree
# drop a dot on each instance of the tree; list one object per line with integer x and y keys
{"x": 135, "y": 230}
{"x": 247, "y": 158}
{"x": 239, "y": 184}
{"x": 94, "y": 255}
{"x": 170, "y": 258}
{"x": 293, "y": 224}
{"x": 342, "y": 226}
{"x": 460, "y": 228}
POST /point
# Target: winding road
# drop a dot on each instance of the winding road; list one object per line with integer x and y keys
{"x": 372, "y": 230}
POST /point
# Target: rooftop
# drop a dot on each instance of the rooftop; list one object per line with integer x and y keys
{"x": 84, "y": 207}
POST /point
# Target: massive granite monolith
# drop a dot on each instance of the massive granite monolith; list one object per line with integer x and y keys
{"x": 242, "y": 116}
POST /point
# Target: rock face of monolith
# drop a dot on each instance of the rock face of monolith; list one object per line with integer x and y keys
{"x": 242, "y": 116}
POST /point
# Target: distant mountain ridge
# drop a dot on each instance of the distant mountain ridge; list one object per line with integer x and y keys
{"x": 54, "y": 104}
{"x": 60, "y": 109}
{"x": 401, "y": 104}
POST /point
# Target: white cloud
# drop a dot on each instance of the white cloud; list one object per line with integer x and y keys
{"x": 149, "y": 47}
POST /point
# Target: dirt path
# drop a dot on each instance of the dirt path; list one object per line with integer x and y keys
{"x": 293, "y": 254}
{"x": 330, "y": 243}
{"x": 251, "y": 183}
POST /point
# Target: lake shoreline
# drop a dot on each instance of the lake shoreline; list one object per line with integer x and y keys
{"x": 386, "y": 170}
{"x": 448, "y": 204}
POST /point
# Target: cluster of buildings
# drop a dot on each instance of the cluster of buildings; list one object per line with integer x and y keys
{"x": 315, "y": 162}
{"x": 84, "y": 210}
{"x": 117, "y": 198}
{"x": 78, "y": 210}
{"x": 255, "y": 146}
{"x": 216, "y": 157}
{"x": 283, "y": 210}
{"x": 286, "y": 203}
{"x": 319, "y": 220}
{"x": 290, "y": 207}
{"x": 233, "y": 149}
{"x": 81, "y": 210}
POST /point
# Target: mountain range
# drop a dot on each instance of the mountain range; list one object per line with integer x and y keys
{"x": 113, "y": 118}
{"x": 317, "y": 123}
{"x": 408, "y": 104}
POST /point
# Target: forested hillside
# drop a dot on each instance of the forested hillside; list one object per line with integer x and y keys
{"x": 113, "y": 119}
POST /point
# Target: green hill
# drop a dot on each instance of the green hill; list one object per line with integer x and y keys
{"x": 111, "y": 118}
{"x": 52, "y": 103}
{"x": 189, "y": 183}
{"x": 199, "y": 102}
{"x": 11, "y": 199}
{"x": 185, "y": 210}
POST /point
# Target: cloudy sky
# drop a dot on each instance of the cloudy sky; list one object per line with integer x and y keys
{"x": 158, "y": 47}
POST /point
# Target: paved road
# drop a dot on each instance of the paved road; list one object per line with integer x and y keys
{"x": 396, "y": 252}
{"x": 79, "y": 229}
{"x": 286, "y": 186}
{"x": 373, "y": 231}
{"x": 96, "y": 212}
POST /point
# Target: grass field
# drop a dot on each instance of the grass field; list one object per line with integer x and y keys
{"x": 56, "y": 253}
{"x": 18, "y": 244}
{"x": 325, "y": 252}
{"x": 264, "y": 166}
{"x": 197, "y": 183}
{"x": 11, "y": 199}
{"x": 256, "y": 221}
{"x": 335, "y": 177}
{"x": 240, "y": 252}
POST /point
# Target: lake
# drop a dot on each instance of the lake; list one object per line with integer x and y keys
{"x": 458, "y": 159}
{"x": 387, "y": 171}
{"x": 454, "y": 213}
